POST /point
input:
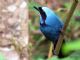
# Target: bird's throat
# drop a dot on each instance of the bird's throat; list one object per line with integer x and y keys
{"x": 44, "y": 19}
{"x": 43, "y": 24}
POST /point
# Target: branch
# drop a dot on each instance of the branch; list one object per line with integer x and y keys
{"x": 50, "y": 50}
{"x": 59, "y": 43}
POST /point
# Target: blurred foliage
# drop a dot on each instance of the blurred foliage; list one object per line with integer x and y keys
{"x": 2, "y": 56}
{"x": 31, "y": 4}
{"x": 72, "y": 57}
{"x": 71, "y": 46}
{"x": 67, "y": 48}
{"x": 41, "y": 46}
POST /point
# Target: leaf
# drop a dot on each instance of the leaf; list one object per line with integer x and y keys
{"x": 71, "y": 46}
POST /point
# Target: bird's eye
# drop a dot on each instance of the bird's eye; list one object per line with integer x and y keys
{"x": 40, "y": 8}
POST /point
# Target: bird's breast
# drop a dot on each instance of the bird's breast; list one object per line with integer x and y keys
{"x": 50, "y": 32}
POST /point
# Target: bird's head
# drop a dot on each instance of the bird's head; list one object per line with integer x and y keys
{"x": 42, "y": 12}
{"x": 45, "y": 13}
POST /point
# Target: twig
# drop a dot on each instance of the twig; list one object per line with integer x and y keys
{"x": 59, "y": 43}
{"x": 50, "y": 50}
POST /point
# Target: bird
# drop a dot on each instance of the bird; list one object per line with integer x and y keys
{"x": 50, "y": 24}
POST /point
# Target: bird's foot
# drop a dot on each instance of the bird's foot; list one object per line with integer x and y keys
{"x": 54, "y": 52}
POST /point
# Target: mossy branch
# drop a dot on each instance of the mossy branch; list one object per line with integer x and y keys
{"x": 59, "y": 43}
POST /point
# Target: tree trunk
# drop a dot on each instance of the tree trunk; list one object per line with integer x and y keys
{"x": 14, "y": 29}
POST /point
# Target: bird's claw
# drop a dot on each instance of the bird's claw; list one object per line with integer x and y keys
{"x": 54, "y": 52}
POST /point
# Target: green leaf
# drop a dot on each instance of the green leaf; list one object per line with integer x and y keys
{"x": 71, "y": 46}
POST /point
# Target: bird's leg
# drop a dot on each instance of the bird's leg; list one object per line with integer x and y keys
{"x": 54, "y": 47}
{"x": 55, "y": 43}
{"x": 54, "y": 51}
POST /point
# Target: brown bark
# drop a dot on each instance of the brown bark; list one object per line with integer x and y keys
{"x": 59, "y": 43}
{"x": 14, "y": 28}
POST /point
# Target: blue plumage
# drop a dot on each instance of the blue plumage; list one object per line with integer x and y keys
{"x": 50, "y": 24}
{"x": 53, "y": 25}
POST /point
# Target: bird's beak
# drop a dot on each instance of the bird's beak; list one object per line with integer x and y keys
{"x": 42, "y": 13}
{"x": 37, "y": 8}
